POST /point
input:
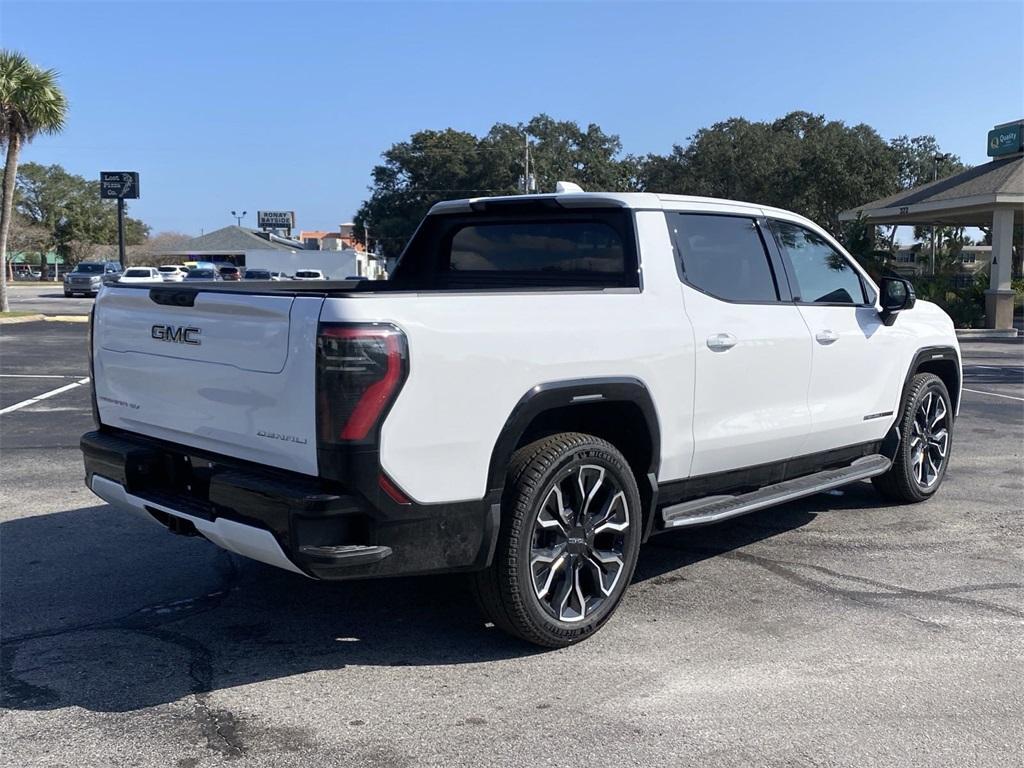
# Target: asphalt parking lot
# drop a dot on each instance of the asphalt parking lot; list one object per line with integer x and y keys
{"x": 834, "y": 631}
{"x": 47, "y": 298}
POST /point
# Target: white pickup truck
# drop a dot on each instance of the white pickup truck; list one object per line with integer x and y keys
{"x": 545, "y": 382}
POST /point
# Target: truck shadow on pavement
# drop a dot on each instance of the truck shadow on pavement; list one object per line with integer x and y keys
{"x": 111, "y": 614}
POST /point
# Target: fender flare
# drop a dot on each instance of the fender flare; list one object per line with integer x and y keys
{"x": 561, "y": 394}
{"x": 930, "y": 354}
{"x": 891, "y": 441}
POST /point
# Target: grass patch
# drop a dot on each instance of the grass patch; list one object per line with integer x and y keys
{"x": 17, "y": 313}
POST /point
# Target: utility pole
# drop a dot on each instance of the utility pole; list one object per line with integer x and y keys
{"x": 120, "y": 230}
{"x": 526, "y": 166}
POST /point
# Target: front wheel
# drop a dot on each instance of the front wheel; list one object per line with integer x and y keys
{"x": 568, "y": 543}
{"x": 926, "y": 441}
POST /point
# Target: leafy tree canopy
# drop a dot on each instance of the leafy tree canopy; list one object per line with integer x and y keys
{"x": 801, "y": 162}
{"x": 69, "y": 209}
{"x": 440, "y": 165}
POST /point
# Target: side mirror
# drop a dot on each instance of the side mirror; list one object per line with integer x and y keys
{"x": 897, "y": 295}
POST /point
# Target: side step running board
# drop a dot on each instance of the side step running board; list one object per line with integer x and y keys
{"x": 713, "y": 509}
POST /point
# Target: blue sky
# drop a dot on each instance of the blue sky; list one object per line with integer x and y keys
{"x": 267, "y": 105}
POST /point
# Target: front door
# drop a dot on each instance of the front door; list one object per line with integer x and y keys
{"x": 855, "y": 369}
{"x": 753, "y": 352}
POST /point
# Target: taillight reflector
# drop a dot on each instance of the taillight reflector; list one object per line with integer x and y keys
{"x": 359, "y": 371}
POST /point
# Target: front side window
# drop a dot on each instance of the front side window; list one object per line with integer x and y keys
{"x": 823, "y": 275}
{"x": 723, "y": 256}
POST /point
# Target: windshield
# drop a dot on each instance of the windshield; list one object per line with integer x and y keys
{"x": 90, "y": 269}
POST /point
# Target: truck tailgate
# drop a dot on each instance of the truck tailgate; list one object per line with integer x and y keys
{"x": 231, "y": 373}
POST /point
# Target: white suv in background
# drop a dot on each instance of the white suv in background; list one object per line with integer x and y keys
{"x": 309, "y": 274}
{"x": 172, "y": 273}
{"x": 544, "y": 382}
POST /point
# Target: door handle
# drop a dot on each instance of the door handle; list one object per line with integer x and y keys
{"x": 720, "y": 342}
{"x": 826, "y": 337}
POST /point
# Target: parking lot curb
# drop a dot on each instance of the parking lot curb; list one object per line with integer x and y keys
{"x": 65, "y": 318}
{"x": 21, "y": 319}
{"x": 986, "y": 334}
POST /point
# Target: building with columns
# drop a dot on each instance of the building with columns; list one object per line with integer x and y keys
{"x": 990, "y": 195}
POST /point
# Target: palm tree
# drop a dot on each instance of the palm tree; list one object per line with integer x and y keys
{"x": 30, "y": 103}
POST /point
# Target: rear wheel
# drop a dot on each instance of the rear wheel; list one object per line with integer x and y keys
{"x": 568, "y": 544}
{"x": 926, "y": 440}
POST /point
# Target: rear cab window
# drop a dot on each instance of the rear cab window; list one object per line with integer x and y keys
{"x": 533, "y": 247}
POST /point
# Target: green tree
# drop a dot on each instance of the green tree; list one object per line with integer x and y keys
{"x": 801, "y": 162}
{"x": 68, "y": 207}
{"x": 30, "y": 103}
{"x": 919, "y": 161}
{"x": 439, "y": 165}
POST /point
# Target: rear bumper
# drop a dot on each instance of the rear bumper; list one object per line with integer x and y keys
{"x": 285, "y": 519}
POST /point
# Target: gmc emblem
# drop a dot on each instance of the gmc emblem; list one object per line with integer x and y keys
{"x": 178, "y": 335}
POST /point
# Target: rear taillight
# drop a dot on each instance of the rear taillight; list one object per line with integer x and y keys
{"x": 359, "y": 371}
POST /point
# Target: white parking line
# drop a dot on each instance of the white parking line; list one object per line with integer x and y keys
{"x": 44, "y": 396}
{"x": 39, "y": 376}
{"x": 993, "y": 394}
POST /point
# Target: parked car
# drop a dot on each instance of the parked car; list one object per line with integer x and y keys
{"x": 257, "y": 274}
{"x": 309, "y": 274}
{"x": 172, "y": 273}
{"x": 202, "y": 273}
{"x": 89, "y": 276}
{"x": 279, "y": 276}
{"x": 230, "y": 272}
{"x": 140, "y": 275}
{"x": 636, "y": 363}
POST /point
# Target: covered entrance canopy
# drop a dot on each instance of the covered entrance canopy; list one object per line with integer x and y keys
{"x": 988, "y": 195}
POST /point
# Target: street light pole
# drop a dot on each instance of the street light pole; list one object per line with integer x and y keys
{"x": 239, "y": 217}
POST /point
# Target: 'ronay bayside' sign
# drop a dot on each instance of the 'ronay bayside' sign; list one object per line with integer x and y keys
{"x": 275, "y": 219}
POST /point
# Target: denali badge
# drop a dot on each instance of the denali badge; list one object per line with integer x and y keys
{"x": 279, "y": 436}
{"x": 178, "y": 335}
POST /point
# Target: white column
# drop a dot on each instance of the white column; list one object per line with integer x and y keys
{"x": 999, "y": 297}
{"x": 1002, "y": 249}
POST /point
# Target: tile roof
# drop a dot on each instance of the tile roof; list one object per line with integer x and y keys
{"x": 994, "y": 178}
{"x": 230, "y": 239}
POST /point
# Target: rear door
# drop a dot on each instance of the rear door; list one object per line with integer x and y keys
{"x": 753, "y": 352}
{"x": 856, "y": 378}
{"x": 231, "y": 373}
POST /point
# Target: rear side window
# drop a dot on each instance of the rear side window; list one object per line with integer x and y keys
{"x": 823, "y": 275}
{"x": 565, "y": 247}
{"x": 723, "y": 256}
{"x": 550, "y": 249}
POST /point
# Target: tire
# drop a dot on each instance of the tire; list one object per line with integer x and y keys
{"x": 558, "y": 572}
{"x": 927, "y": 417}
{"x": 68, "y": 295}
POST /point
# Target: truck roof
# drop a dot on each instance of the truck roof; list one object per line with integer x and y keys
{"x": 633, "y": 200}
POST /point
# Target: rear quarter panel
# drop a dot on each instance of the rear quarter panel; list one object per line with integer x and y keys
{"x": 473, "y": 355}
